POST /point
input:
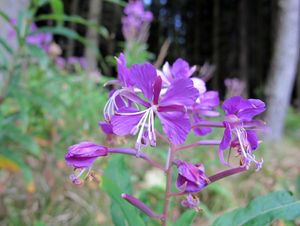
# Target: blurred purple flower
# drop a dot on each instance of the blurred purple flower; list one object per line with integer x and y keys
{"x": 60, "y": 62}
{"x": 239, "y": 113}
{"x": 41, "y": 40}
{"x": 191, "y": 202}
{"x": 191, "y": 177}
{"x": 170, "y": 108}
{"x": 234, "y": 87}
{"x": 135, "y": 22}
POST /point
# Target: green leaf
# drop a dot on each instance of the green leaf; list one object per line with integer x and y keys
{"x": 122, "y": 212}
{"x": 57, "y": 7}
{"x": 186, "y": 218}
{"x": 118, "y": 170}
{"x": 262, "y": 211}
{"x": 5, "y": 45}
{"x": 118, "y": 2}
{"x": 5, "y": 16}
{"x": 128, "y": 211}
{"x": 59, "y": 30}
{"x": 75, "y": 19}
{"x": 38, "y": 53}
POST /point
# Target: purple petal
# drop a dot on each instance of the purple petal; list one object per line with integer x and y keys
{"x": 170, "y": 108}
{"x": 156, "y": 89}
{"x": 210, "y": 99}
{"x": 83, "y": 155}
{"x": 106, "y": 127}
{"x": 143, "y": 77}
{"x": 201, "y": 131}
{"x": 190, "y": 202}
{"x": 180, "y": 92}
{"x": 226, "y": 137}
{"x": 124, "y": 124}
{"x": 181, "y": 69}
{"x": 234, "y": 104}
{"x": 176, "y": 126}
{"x": 255, "y": 107}
{"x": 252, "y": 139}
{"x": 123, "y": 71}
{"x": 225, "y": 143}
{"x": 199, "y": 84}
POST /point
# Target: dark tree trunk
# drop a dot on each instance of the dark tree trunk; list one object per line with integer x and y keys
{"x": 95, "y": 11}
{"x": 243, "y": 42}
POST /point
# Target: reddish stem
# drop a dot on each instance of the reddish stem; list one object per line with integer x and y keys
{"x": 168, "y": 184}
{"x": 209, "y": 124}
{"x": 198, "y": 143}
{"x": 133, "y": 152}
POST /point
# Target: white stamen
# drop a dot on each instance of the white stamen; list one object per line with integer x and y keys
{"x": 111, "y": 105}
{"x": 244, "y": 143}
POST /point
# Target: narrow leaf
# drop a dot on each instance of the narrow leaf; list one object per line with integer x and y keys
{"x": 263, "y": 210}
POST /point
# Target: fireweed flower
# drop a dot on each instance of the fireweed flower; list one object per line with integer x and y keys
{"x": 170, "y": 108}
{"x": 204, "y": 107}
{"x": 135, "y": 22}
{"x": 180, "y": 69}
{"x": 41, "y": 40}
{"x": 191, "y": 177}
{"x": 238, "y": 133}
{"x": 82, "y": 156}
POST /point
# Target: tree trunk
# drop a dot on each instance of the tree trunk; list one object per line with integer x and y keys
{"x": 95, "y": 11}
{"x": 71, "y": 42}
{"x": 283, "y": 67}
{"x": 243, "y": 42}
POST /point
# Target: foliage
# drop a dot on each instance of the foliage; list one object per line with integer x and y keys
{"x": 263, "y": 211}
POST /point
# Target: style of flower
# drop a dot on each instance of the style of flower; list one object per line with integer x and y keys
{"x": 191, "y": 201}
{"x": 191, "y": 177}
{"x": 170, "y": 108}
{"x": 82, "y": 156}
{"x": 239, "y": 133}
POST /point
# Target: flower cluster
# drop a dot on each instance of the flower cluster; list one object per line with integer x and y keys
{"x": 135, "y": 22}
{"x": 181, "y": 103}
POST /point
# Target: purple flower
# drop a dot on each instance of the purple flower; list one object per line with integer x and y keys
{"x": 81, "y": 156}
{"x": 180, "y": 69}
{"x": 238, "y": 123}
{"x": 41, "y": 40}
{"x": 204, "y": 107}
{"x": 191, "y": 201}
{"x": 60, "y": 62}
{"x": 135, "y": 21}
{"x": 191, "y": 177}
{"x": 170, "y": 108}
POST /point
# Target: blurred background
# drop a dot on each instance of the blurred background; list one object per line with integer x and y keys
{"x": 55, "y": 57}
